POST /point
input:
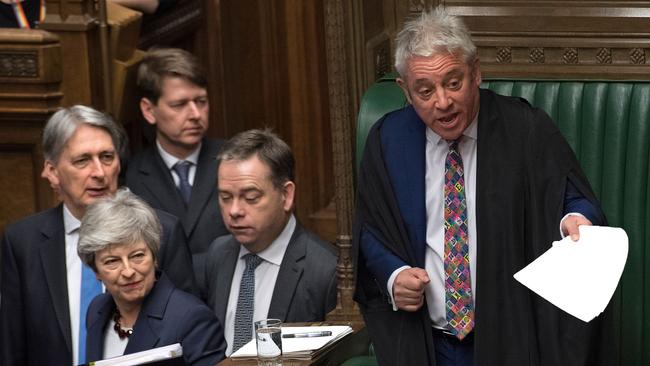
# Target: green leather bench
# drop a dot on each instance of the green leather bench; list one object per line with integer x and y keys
{"x": 607, "y": 123}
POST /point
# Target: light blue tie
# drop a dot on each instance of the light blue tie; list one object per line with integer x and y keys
{"x": 90, "y": 287}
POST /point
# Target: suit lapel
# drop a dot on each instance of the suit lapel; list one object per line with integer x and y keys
{"x": 226, "y": 266}
{"x": 150, "y": 320}
{"x": 95, "y": 335}
{"x": 158, "y": 181}
{"x": 406, "y": 161}
{"x": 54, "y": 265}
{"x": 205, "y": 182}
{"x": 290, "y": 272}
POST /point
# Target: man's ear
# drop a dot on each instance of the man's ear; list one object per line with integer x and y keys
{"x": 289, "y": 193}
{"x": 146, "y": 107}
{"x": 476, "y": 72}
{"x": 402, "y": 84}
{"x": 51, "y": 174}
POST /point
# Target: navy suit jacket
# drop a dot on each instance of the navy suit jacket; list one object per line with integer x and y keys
{"x": 148, "y": 177}
{"x": 168, "y": 315}
{"x": 305, "y": 289}
{"x": 35, "y": 316}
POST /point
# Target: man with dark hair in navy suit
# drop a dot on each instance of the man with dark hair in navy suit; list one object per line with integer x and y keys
{"x": 178, "y": 174}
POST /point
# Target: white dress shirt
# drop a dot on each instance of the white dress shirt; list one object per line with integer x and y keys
{"x": 170, "y": 160}
{"x": 73, "y": 271}
{"x": 113, "y": 345}
{"x": 265, "y": 275}
{"x": 436, "y": 153}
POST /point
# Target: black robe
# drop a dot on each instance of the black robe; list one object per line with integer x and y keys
{"x": 523, "y": 165}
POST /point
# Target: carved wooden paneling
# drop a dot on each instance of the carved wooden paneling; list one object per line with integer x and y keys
{"x": 30, "y": 61}
{"x": 549, "y": 39}
{"x": 22, "y": 190}
{"x": 75, "y": 24}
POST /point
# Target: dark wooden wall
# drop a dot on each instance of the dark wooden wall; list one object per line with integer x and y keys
{"x": 30, "y": 76}
{"x": 268, "y": 69}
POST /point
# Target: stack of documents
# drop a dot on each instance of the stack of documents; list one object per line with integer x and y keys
{"x": 301, "y": 348}
{"x": 579, "y": 277}
{"x": 167, "y": 355}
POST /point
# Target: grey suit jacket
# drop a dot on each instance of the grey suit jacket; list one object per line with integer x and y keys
{"x": 35, "y": 314}
{"x": 148, "y": 177}
{"x": 304, "y": 291}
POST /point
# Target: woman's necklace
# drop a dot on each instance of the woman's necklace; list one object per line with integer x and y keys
{"x": 122, "y": 333}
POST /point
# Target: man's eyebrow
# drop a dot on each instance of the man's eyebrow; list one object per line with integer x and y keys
{"x": 453, "y": 73}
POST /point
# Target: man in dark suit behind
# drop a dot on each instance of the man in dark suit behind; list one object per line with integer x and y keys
{"x": 178, "y": 173}
{"x": 295, "y": 275}
{"x": 42, "y": 312}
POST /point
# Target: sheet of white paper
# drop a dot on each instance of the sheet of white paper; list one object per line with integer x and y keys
{"x": 579, "y": 277}
{"x": 298, "y": 346}
{"x": 139, "y": 358}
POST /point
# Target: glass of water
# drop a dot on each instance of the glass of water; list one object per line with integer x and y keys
{"x": 268, "y": 337}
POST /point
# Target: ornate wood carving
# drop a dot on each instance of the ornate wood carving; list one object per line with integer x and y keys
{"x": 547, "y": 38}
{"x": 341, "y": 122}
{"x": 18, "y": 64}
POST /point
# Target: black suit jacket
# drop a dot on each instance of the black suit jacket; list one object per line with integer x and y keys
{"x": 35, "y": 316}
{"x": 167, "y": 316}
{"x": 148, "y": 177}
{"x": 304, "y": 291}
{"x": 523, "y": 166}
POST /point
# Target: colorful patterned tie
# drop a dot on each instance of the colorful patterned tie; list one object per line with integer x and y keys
{"x": 458, "y": 289}
{"x": 245, "y": 303}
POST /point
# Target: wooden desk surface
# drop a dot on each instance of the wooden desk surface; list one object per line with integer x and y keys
{"x": 355, "y": 344}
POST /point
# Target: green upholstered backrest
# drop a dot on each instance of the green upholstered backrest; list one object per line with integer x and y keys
{"x": 607, "y": 123}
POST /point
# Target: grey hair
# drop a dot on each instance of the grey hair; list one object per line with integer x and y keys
{"x": 268, "y": 147}
{"x": 123, "y": 219}
{"x": 63, "y": 124}
{"x": 433, "y": 32}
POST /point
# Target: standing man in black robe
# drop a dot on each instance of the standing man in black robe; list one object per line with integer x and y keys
{"x": 456, "y": 193}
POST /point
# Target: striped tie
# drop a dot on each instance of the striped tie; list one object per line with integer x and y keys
{"x": 458, "y": 289}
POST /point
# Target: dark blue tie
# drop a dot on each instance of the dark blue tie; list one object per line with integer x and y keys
{"x": 182, "y": 168}
{"x": 245, "y": 303}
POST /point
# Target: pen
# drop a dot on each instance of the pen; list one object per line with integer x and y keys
{"x": 324, "y": 333}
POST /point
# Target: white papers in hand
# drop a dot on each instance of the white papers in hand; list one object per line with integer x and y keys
{"x": 139, "y": 358}
{"x": 579, "y": 277}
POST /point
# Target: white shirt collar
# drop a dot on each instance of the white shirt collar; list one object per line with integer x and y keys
{"x": 471, "y": 132}
{"x": 275, "y": 252}
{"x": 170, "y": 160}
{"x": 70, "y": 223}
